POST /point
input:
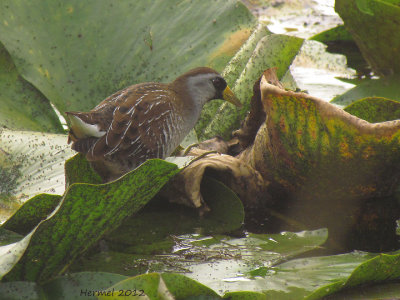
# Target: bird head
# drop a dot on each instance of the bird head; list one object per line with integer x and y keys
{"x": 204, "y": 84}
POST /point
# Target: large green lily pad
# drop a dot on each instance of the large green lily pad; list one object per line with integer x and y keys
{"x": 77, "y": 53}
{"x": 92, "y": 202}
{"x": 86, "y": 213}
{"x": 374, "y": 27}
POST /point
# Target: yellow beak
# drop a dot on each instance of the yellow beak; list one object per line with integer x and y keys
{"x": 229, "y": 96}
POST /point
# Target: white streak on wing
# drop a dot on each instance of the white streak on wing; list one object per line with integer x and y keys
{"x": 126, "y": 129}
{"x": 85, "y": 128}
{"x": 153, "y": 104}
{"x": 161, "y": 115}
{"x": 153, "y": 119}
{"x": 134, "y": 141}
{"x": 169, "y": 129}
{"x": 115, "y": 99}
{"x": 113, "y": 150}
{"x": 132, "y": 109}
{"x": 148, "y": 121}
{"x": 165, "y": 133}
{"x": 136, "y": 150}
{"x": 110, "y": 128}
{"x": 94, "y": 146}
{"x": 100, "y": 106}
{"x": 157, "y": 147}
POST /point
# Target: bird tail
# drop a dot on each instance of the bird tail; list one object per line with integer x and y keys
{"x": 81, "y": 127}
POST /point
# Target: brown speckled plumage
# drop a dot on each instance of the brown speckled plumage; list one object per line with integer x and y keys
{"x": 143, "y": 121}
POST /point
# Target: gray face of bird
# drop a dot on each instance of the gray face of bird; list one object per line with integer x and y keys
{"x": 205, "y": 87}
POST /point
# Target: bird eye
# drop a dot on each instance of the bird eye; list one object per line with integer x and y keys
{"x": 219, "y": 83}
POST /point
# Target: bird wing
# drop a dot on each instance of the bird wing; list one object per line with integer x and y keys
{"x": 133, "y": 131}
{"x": 93, "y": 124}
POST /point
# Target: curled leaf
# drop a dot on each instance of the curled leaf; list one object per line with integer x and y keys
{"x": 307, "y": 144}
{"x": 246, "y": 181}
{"x": 328, "y": 162}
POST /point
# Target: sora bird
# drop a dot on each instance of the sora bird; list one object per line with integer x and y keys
{"x": 143, "y": 121}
